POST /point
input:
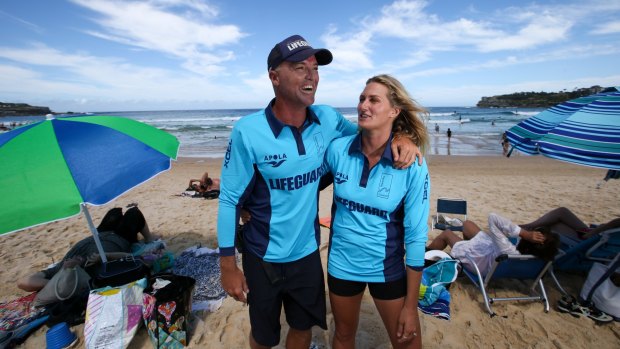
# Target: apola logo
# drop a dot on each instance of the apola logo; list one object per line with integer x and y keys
{"x": 275, "y": 160}
{"x": 341, "y": 177}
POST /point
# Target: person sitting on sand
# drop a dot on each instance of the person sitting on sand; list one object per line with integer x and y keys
{"x": 564, "y": 222}
{"x": 204, "y": 184}
{"x": 117, "y": 231}
{"x": 483, "y": 247}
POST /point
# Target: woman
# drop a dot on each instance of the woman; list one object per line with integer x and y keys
{"x": 379, "y": 213}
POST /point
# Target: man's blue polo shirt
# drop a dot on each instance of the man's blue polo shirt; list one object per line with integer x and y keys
{"x": 377, "y": 214}
{"x": 273, "y": 170}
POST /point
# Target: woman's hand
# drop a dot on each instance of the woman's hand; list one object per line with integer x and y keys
{"x": 533, "y": 236}
{"x": 92, "y": 259}
{"x": 407, "y": 328}
{"x": 73, "y": 262}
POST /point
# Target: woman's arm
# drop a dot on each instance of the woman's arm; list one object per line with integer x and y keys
{"x": 408, "y": 320}
{"x": 500, "y": 229}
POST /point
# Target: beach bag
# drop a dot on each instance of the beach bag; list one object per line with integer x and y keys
{"x": 113, "y": 315}
{"x": 65, "y": 284}
{"x": 167, "y": 303}
{"x": 120, "y": 272}
{"x": 606, "y": 296}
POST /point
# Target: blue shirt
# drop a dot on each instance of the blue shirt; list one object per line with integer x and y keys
{"x": 377, "y": 214}
{"x": 273, "y": 170}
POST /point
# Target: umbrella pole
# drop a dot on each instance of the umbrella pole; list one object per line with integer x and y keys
{"x": 95, "y": 233}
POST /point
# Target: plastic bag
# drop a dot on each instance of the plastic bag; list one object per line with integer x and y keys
{"x": 606, "y": 297}
{"x": 113, "y": 315}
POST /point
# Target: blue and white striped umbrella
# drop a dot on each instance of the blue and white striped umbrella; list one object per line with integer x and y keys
{"x": 585, "y": 131}
{"x": 525, "y": 135}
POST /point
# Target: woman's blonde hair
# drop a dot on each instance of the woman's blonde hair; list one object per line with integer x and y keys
{"x": 410, "y": 121}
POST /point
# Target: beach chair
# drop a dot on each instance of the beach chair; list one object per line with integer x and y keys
{"x": 580, "y": 255}
{"x": 453, "y": 208}
{"x": 520, "y": 267}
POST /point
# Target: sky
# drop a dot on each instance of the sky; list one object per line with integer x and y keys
{"x": 124, "y": 55}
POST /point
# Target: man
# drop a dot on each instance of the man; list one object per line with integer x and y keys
{"x": 272, "y": 169}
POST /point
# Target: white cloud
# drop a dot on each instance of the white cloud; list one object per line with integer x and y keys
{"x": 103, "y": 82}
{"x": 541, "y": 29}
{"x": 607, "y": 28}
{"x": 351, "y": 52}
{"x": 192, "y": 35}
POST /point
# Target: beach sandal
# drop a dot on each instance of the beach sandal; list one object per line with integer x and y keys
{"x": 568, "y": 304}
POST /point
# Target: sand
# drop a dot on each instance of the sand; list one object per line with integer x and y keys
{"x": 520, "y": 187}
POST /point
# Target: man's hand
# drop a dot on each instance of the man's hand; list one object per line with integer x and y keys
{"x": 233, "y": 280}
{"x": 405, "y": 152}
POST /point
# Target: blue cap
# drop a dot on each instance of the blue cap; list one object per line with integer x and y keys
{"x": 296, "y": 49}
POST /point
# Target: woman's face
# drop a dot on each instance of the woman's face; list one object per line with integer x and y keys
{"x": 374, "y": 110}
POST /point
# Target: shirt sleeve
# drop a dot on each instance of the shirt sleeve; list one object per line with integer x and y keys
{"x": 500, "y": 229}
{"x": 236, "y": 180}
{"x": 417, "y": 207}
{"x": 345, "y": 127}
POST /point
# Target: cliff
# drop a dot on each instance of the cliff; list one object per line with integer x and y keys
{"x": 535, "y": 99}
{"x": 21, "y": 109}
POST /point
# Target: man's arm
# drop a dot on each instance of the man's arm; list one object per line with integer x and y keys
{"x": 236, "y": 177}
{"x": 500, "y": 229}
{"x": 404, "y": 152}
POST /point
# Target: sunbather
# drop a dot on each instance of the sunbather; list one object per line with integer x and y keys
{"x": 483, "y": 247}
{"x": 204, "y": 184}
{"x": 563, "y": 221}
{"x": 117, "y": 231}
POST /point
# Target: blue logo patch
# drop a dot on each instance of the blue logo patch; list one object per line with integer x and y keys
{"x": 341, "y": 177}
{"x": 385, "y": 185}
{"x": 275, "y": 160}
{"x": 318, "y": 141}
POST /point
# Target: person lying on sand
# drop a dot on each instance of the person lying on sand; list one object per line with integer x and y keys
{"x": 117, "y": 231}
{"x": 204, "y": 184}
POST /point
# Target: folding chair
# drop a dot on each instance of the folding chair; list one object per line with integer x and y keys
{"x": 450, "y": 206}
{"x": 521, "y": 267}
{"x": 579, "y": 255}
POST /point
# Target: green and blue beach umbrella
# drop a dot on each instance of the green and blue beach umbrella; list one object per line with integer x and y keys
{"x": 585, "y": 131}
{"x": 53, "y": 168}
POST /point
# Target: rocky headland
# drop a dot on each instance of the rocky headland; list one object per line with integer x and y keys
{"x": 535, "y": 99}
{"x": 22, "y": 109}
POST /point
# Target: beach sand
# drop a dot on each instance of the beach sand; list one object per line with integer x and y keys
{"x": 520, "y": 187}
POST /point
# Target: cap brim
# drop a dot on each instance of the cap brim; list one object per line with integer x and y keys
{"x": 323, "y": 56}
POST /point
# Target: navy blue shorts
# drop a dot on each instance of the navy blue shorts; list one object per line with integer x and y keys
{"x": 298, "y": 286}
{"x": 379, "y": 290}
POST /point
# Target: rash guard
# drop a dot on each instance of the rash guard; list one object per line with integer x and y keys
{"x": 378, "y": 214}
{"x": 273, "y": 171}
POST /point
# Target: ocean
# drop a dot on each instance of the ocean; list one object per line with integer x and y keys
{"x": 205, "y": 133}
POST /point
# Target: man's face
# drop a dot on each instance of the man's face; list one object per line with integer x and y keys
{"x": 296, "y": 82}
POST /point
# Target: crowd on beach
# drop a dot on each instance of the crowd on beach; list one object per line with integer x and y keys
{"x": 278, "y": 160}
